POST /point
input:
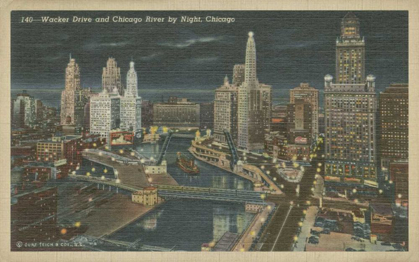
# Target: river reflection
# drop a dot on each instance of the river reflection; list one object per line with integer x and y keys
{"x": 209, "y": 175}
{"x": 186, "y": 224}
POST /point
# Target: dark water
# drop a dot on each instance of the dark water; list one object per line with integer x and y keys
{"x": 187, "y": 224}
{"x": 209, "y": 175}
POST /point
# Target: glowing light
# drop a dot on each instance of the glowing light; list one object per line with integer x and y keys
{"x": 63, "y": 231}
{"x": 318, "y": 170}
{"x": 116, "y": 172}
{"x": 399, "y": 195}
{"x": 90, "y": 199}
{"x": 132, "y": 153}
{"x": 300, "y": 224}
{"x": 314, "y": 182}
{"x": 241, "y": 249}
{"x": 268, "y": 172}
{"x": 121, "y": 151}
{"x": 74, "y": 172}
{"x": 274, "y": 178}
{"x": 304, "y": 211}
{"x": 390, "y": 181}
{"x": 150, "y": 179}
{"x": 282, "y": 186}
{"x": 263, "y": 167}
{"x": 312, "y": 189}
{"x": 93, "y": 169}
{"x": 105, "y": 171}
{"x": 291, "y": 203}
{"x": 262, "y": 220}
{"x": 295, "y": 238}
{"x": 100, "y": 154}
{"x": 118, "y": 181}
{"x": 269, "y": 207}
{"x": 319, "y": 164}
{"x": 356, "y": 200}
{"x": 94, "y": 144}
{"x": 88, "y": 174}
{"x": 106, "y": 147}
{"x": 77, "y": 224}
{"x": 252, "y": 233}
{"x": 77, "y": 168}
{"x": 354, "y": 190}
{"x": 262, "y": 196}
{"x": 308, "y": 202}
{"x": 212, "y": 243}
{"x": 102, "y": 177}
{"x": 380, "y": 191}
{"x": 142, "y": 161}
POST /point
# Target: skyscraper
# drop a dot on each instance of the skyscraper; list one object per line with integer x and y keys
{"x": 350, "y": 52}
{"x": 111, "y": 77}
{"x": 105, "y": 113}
{"x": 24, "y": 110}
{"x": 394, "y": 118}
{"x": 311, "y": 96}
{"x": 225, "y": 111}
{"x": 131, "y": 104}
{"x": 350, "y": 115}
{"x": 254, "y": 104}
{"x": 73, "y": 97}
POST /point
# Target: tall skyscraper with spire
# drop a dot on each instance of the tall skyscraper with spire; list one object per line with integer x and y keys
{"x": 73, "y": 97}
{"x": 111, "y": 77}
{"x": 350, "y": 52}
{"x": 350, "y": 113}
{"x": 254, "y": 104}
{"x": 131, "y": 103}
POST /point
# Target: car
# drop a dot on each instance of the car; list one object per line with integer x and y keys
{"x": 326, "y": 231}
{"x": 313, "y": 240}
{"x": 350, "y": 249}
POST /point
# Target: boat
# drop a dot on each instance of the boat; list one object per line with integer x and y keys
{"x": 186, "y": 164}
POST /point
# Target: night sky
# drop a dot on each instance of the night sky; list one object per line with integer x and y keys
{"x": 191, "y": 60}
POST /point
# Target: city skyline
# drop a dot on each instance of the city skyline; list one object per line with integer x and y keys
{"x": 291, "y": 48}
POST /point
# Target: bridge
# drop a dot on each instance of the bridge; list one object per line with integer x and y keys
{"x": 164, "y": 147}
{"x": 185, "y": 192}
{"x": 233, "y": 150}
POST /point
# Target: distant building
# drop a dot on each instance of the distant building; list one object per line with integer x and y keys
{"x": 24, "y": 110}
{"x": 238, "y": 74}
{"x": 394, "y": 118}
{"x": 111, "y": 77}
{"x": 206, "y": 116}
{"x": 309, "y": 95}
{"x": 254, "y": 104}
{"x": 73, "y": 97}
{"x": 276, "y": 145}
{"x": 60, "y": 147}
{"x": 225, "y": 111}
{"x": 148, "y": 196}
{"x": 399, "y": 174}
{"x": 177, "y": 112}
{"x": 34, "y": 216}
{"x": 382, "y": 220}
{"x": 299, "y": 126}
{"x": 146, "y": 114}
{"x": 279, "y": 119}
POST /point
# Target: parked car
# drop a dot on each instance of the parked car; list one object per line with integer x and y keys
{"x": 313, "y": 240}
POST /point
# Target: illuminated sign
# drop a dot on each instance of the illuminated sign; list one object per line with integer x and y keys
{"x": 300, "y": 140}
{"x": 121, "y": 138}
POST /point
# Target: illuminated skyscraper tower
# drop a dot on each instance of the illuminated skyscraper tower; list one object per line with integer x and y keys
{"x": 350, "y": 113}
{"x": 111, "y": 77}
{"x": 254, "y": 104}
{"x": 131, "y": 103}
{"x": 73, "y": 98}
{"x": 350, "y": 52}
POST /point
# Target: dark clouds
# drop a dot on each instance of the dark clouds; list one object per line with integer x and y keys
{"x": 292, "y": 47}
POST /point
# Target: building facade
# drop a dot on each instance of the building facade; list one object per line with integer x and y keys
{"x": 350, "y": 117}
{"x": 206, "y": 115}
{"x": 23, "y": 110}
{"x": 309, "y": 95}
{"x": 225, "y": 111}
{"x": 238, "y": 74}
{"x": 299, "y": 124}
{"x": 176, "y": 113}
{"x": 105, "y": 113}
{"x": 111, "y": 77}
{"x": 394, "y": 118}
